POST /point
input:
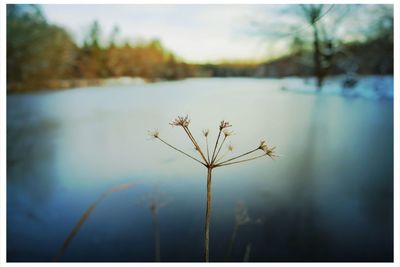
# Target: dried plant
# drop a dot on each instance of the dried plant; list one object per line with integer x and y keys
{"x": 214, "y": 161}
{"x": 247, "y": 253}
{"x": 241, "y": 218}
{"x": 155, "y": 201}
{"x": 155, "y": 204}
{"x": 86, "y": 215}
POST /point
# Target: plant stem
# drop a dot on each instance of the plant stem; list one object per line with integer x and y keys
{"x": 247, "y": 253}
{"x": 191, "y": 137}
{"x": 244, "y": 154}
{"x": 86, "y": 215}
{"x": 171, "y": 146}
{"x": 215, "y": 147}
{"x": 222, "y": 143}
{"x": 232, "y": 242}
{"x": 208, "y": 216}
{"x": 239, "y": 161}
{"x": 221, "y": 157}
{"x": 208, "y": 152}
{"x": 156, "y": 233}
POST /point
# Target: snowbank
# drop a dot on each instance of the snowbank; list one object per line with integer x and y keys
{"x": 370, "y": 87}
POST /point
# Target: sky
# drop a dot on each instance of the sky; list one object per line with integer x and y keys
{"x": 196, "y": 33}
{"x": 209, "y": 33}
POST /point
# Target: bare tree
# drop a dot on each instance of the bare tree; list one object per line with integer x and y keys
{"x": 296, "y": 22}
{"x": 312, "y": 14}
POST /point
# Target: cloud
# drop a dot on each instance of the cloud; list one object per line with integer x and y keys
{"x": 208, "y": 33}
{"x": 197, "y": 33}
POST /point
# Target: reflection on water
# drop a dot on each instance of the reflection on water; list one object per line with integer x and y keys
{"x": 328, "y": 198}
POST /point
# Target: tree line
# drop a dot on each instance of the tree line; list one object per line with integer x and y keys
{"x": 41, "y": 55}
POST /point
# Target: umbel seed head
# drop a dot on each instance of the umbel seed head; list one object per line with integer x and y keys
{"x": 263, "y": 145}
{"x": 181, "y": 121}
{"x": 227, "y": 132}
{"x": 223, "y": 125}
{"x": 268, "y": 151}
{"x": 212, "y": 159}
{"x": 271, "y": 153}
{"x": 154, "y": 134}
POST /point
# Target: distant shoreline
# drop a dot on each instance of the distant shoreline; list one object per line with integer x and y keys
{"x": 73, "y": 84}
{"x": 55, "y": 85}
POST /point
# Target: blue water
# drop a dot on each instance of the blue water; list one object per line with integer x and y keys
{"x": 329, "y": 197}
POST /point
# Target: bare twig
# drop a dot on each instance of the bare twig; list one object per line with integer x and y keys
{"x": 208, "y": 153}
{"x": 215, "y": 147}
{"x": 239, "y": 161}
{"x": 242, "y": 155}
{"x": 177, "y": 149}
{"x": 222, "y": 143}
{"x": 195, "y": 144}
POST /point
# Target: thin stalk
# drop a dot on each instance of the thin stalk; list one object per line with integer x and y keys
{"x": 75, "y": 230}
{"x": 216, "y": 155}
{"x": 232, "y": 242}
{"x": 208, "y": 216}
{"x": 86, "y": 215}
{"x": 223, "y": 156}
{"x": 156, "y": 233}
{"x": 246, "y": 257}
{"x": 171, "y": 146}
{"x": 242, "y": 155}
{"x": 239, "y": 161}
{"x": 195, "y": 143}
{"x": 215, "y": 147}
{"x": 208, "y": 152}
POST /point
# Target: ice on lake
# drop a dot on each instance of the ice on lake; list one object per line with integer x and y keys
{"x": 329, "y": 197}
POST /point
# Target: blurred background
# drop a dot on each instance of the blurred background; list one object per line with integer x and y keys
{"x": 85, "y": 84}
{"x": 60, "y": 46}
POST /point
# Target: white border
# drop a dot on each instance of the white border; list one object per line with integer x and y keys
{"x": 3, "y": 94}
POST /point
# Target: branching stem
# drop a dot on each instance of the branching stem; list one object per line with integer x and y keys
{"x": 239, "y": 161}
{"x": 221, "y": 157}
{"x": 216, "y": 155}
{"x": 195, "y": 144}
{"x": 242, "y": 155}
{"x": 208, "y": 152}
{"x": 215, "y": 147}
{"x": 177, "y": 149}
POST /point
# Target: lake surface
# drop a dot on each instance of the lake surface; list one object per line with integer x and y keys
{"x": 329, "y": 197}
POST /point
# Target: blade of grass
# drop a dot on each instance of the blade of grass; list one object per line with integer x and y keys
{"x": 86, "y": 215}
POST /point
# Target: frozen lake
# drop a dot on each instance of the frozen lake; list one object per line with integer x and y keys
{"x": 329, "y": 197}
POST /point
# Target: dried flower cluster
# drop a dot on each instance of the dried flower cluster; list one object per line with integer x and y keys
{"x": 181, "y": 121}
{"x": 268, "y": 151}
{"x": 155, "y": 133}
{"x": 214, "y": 160}
{"x": 223, "y": 125}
